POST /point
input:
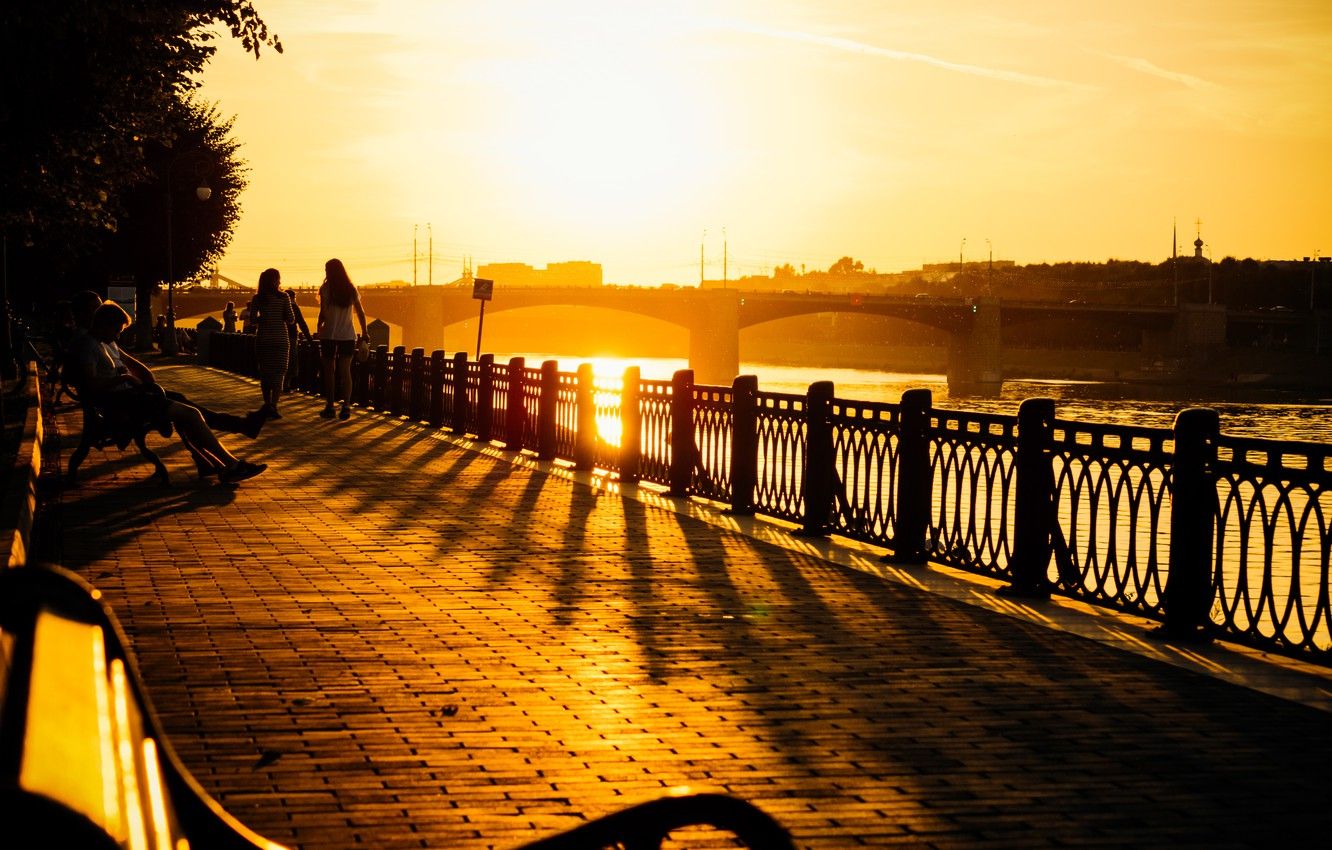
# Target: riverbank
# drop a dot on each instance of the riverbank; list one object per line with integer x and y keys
{"x": 1276, "y": 371}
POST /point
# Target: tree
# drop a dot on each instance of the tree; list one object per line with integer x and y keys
{"x": 846, "y": 265}
{"x": 202, "y": 154}
{"x": 786, "y": 270}
{"x": 90, "y": 85}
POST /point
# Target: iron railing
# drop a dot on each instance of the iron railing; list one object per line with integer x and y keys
{"x": 1210, "y": 534}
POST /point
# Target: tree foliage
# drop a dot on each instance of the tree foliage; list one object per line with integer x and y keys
{"x": 846, "y": 265}
{"x": 91, "y": 86}
{"x": 202, "y": 153}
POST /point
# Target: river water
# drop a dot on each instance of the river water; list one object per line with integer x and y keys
{"x": 1250, "y": 413}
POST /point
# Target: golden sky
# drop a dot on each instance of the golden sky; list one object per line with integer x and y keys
{"x": 804, "y": 130}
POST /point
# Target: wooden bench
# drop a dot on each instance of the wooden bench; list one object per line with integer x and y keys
{"x": 99, "y": 433}
{"x": 84, "y": 762}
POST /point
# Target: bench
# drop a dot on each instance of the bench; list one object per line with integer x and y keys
{"x": 99, "y": 433}
{"x": 84, "y": 762}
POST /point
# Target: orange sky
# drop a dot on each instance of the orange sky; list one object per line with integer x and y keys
{"x": 619, "y": 132}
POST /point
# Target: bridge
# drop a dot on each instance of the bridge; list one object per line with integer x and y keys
{"x": 976, "y": 328}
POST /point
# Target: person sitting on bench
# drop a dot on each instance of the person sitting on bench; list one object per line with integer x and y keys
{"x": 84, "y": 304}
{"x": 126, "y": 392}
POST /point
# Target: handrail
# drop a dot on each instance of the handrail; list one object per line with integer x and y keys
{"x": 1211, "y": 534}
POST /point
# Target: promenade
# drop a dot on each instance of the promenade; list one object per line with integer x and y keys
{"x": 390, "y": 639}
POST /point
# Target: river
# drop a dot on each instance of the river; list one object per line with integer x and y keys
{"x": 1252, "y": 413}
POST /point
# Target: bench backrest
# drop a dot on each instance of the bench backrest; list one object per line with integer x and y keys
{"x": 83, "y": 761}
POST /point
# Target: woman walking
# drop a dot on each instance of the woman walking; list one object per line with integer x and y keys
{"x": 271, "y": 312}
{"x": 294, "y": 334}
{"x": 337, "y": 336}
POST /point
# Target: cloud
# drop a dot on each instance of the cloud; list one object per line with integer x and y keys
{"x": 1145, "y": 66}
{"x": 851, "y": 46}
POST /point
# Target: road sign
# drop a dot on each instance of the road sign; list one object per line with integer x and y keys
{"x": 482, "y": 289}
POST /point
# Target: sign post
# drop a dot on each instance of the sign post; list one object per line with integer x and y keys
{"x": 482, "y": 290}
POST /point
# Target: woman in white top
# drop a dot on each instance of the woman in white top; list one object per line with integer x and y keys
{"x": 338, "y": 298}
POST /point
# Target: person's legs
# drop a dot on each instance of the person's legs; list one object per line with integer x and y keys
{"x": 328, "y": 359}
{"x": 345, "y": 380}
{"x": 248, "y": 425}
{"x": 200, "y": 438}
{"x": 195, "y": 433}
{"x": 271, "y": 390}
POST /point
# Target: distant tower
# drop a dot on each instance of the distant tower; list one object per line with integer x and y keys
{"x": 1198, "y": 243}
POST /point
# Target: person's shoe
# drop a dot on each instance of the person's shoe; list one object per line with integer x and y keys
{"x": 206, "y": 471}
{"x": 241, "y": 471}
{"x": 254, "y": 423}
{"x": 273, "y": 414}
{"x": 327, "y": 412}
{"x": 345, "y": 413}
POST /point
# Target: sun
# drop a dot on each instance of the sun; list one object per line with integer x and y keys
{"x": 605, "y": 120}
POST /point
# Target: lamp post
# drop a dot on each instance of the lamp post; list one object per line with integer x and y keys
{"x": 203, "y": 193}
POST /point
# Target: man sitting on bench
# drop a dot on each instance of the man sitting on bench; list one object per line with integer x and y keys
{"x": 125, "y": 390}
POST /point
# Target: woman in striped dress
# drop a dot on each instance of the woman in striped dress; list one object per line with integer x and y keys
{"x": 274, "y": 316}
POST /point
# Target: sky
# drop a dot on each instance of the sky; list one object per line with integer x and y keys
{"x": 634, "y": 134}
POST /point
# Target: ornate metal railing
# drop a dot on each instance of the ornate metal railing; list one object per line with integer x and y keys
{"x": 1208, "y": 533}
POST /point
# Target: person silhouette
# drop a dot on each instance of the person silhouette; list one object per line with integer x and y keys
{"x": 338, "y": 299}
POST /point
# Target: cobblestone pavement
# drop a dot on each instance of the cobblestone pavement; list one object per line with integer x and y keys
{"x": 387, "y": 640}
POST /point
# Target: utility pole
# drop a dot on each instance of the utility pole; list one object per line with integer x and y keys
{"x": 725, "y": 257}
{"x": 414, "y": 229}
{"x": 430, "y": 263}
{"x": 702, "y": 241}
{"x": 989, "y": 275}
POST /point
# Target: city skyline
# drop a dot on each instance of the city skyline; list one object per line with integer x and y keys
{"x": 795, "y": 132}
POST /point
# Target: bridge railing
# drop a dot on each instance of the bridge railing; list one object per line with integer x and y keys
{"x": 1208, "y": 533}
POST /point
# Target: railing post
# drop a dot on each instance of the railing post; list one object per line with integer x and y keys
{"x": 360, "y": 388}
{"x": 1033, "y": 511}
{"x": 744, "y": 443}
{"x": 485, "y": 398}
{"x": 307, "y": 369}
{"x": 546, "y": 409}
{"x": 817, "y": 480}
{"x": 912, "y": 516}
{"x": 459, "y": 418}
{"x": 1188, "y": 590}
{"x": 682, "y": 432}
{"x": 631, "y": 425}
{"x": 585, "y": 417}
{"x": 381, "y": 377}
{"x": 515, "y": 414}
{"x": 395, "y": 381}
{"x": 437, "y": 389}
{"x": 416, "y": 404}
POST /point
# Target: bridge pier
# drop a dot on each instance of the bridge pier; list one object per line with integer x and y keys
{"x": 424, "y": 326}
{"x": 714, "y": 336}
{"x": 975, "y": 355}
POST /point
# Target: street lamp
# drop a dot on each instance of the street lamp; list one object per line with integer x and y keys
{"x": 203, "y": 192}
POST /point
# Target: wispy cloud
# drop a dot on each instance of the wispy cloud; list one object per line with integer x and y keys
{"x": 1145, "y": 66}
{"x": 848, "y": 45}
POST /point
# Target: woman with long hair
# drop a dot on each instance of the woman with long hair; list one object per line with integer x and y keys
{"x": 271, "y": 311}
{"x": 338, "y": 299}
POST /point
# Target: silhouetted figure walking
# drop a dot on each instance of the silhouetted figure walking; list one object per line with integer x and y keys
{"x": 294, "y": 334}
{"x": 338, "y": 298}
{"x": 271, "y": 312}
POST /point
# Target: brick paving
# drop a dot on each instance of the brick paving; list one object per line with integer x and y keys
{"x": 390, "y": 641}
